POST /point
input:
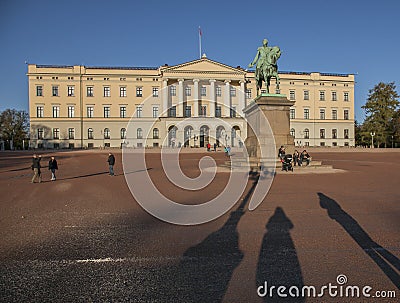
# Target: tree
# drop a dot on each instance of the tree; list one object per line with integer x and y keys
{"x": 380, "y": 110}
{"x": 14, "y": 127}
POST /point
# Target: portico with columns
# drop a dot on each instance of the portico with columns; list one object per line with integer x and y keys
{"x": 211, "y": 94}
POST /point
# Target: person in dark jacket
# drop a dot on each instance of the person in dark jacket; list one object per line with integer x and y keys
{"x": 52, "y": 167}
{"x": 36, "y": 168}
{"x": 111, "y": 162}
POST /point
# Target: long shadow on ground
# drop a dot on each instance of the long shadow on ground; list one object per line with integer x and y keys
{"x": 386, "y": 261}
{"x": 278, "y": 264}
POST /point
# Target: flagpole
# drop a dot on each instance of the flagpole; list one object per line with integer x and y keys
{"x": 200, "y": 42}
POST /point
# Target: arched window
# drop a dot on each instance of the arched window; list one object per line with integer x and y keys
{"x": 123, "y": 133}
{"x": 139, "y": 133}
{"x": 306, "y": 133}
{"x": 292, "y": 132}
{"x": 106, "y": 133}
{"x": 90, "y": 133}
{"x": 156, "y": 133}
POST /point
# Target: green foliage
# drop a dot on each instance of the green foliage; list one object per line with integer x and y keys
{"x": 14, "y": 127}
{"x": 380, "y": 108}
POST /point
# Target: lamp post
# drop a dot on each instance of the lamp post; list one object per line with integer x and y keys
{"x": 392, "y": 141}
{"x": 372, "y": 138}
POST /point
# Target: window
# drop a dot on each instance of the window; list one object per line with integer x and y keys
{"x": 107, "y": 133}
{"x": 218, "y": 91}
{"x": 139, "y": 91}
{"x": 218, "y": 111}
{"x": 123, "y": 133}
{"x": 292, "y": 132}
{"x": 334, "y": 133}
{"x": 139, "y": 133}
{"x": 203, "y": 91}
{"x": 122, "y": 91}
{"x": 172, "y": 90}
{"x": 322, "y": 114}
{"x": 334, "y": 96}
{"x": 232, "y": 91}
{"x": 139, "y": 111}
{"x": 90, "y": 133}
{"x": 156, "y": 133}
{"x": 71, "y": 133}
{"x": 106, "y": 111}
{"x": 89, "y": 91}
{"x": 334, "y": 114}
{"x": 107, "y": 91}
{"x": 71, "y": 91}
{"x": 322, "y": 133}
{"x": 292, "y": 95}
{"x": 233, "y": 112}
{"x": 39, "y": 91}
{"x": 292, "y": 113}
{"x": 155, "y": 91}
{"x": 122, "y": 112}
{"x": 155, "y": 111}
{"x": 346, "y": 133}
{"x": 56, "y": 133}
{"x": 54, "y": 91}
{"x": 346, "y": 96}
{"x": 39, "y": 111}
{"x": 71, "y": 111}
{"x": 56, "y": 111}
{"x": 306, "y": 95}
{"x": 90, "y": 111}
{"x": 306, "y": 113}
{"x": 40, "y": 133}
{"x": 203, "y": 110}
{"x": 321, "y": 95}
{"x": 248, "y": 93}
{"x": 172, "y": 111}
{"x": 188, "y": 91}
{"x": 188, "y": 111}
{"x": 306, "y": 133}
{"x": 346, "y": 114}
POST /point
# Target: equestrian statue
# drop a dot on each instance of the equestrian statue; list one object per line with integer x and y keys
{"x": 266, "y": 68}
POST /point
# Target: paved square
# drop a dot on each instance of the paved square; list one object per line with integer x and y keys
{"x": 84, "y": 238}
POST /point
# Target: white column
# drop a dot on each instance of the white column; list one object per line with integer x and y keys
{"x": 165, "y": 98}
{"x": 196, "y": 98}
{"x": 227, "y": 100}
{"x": 242, "y": 96}
{"x": 180, "y": 108}
{"x": 212, "y": 98}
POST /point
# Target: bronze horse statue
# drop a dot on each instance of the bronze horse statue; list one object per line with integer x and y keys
{"x": 266, "y": 58}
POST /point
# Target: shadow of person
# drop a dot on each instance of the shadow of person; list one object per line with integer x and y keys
{"x": 278, "y": 264}
{"x": 381, "y": 256}
{"x": 205, "y": 270}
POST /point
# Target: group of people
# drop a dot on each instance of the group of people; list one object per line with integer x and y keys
{"x": 298, "y": 158}
{"x": 53, "y": 166}
{"x": 36, "y": 167}
{"x": 209, "y": 147}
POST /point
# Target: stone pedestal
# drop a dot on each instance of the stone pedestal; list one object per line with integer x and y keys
{"x": 268, "y": 122}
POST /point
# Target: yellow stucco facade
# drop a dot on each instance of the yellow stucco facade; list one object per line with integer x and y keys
{"x": 189, "y": 104}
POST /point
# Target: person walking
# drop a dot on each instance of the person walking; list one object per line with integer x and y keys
{"x": 36, "y": 168}
{"x": 52, "y": 167}
{"x": 215, "y": 147}
{"x": 111, "y": 162}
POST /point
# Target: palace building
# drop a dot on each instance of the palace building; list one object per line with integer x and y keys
{"x": 189, "y": 104}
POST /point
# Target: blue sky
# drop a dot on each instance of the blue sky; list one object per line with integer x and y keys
{"x": 358, "y": 37}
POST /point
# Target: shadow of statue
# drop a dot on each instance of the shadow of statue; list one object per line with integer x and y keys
{"x": 205, "y": 270}
{"x": 381, "y": 256}
{"x": 278, "y": 264}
